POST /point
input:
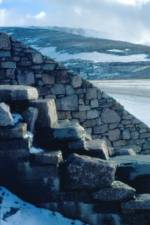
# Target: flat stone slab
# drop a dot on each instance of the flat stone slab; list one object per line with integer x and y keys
{"x": 87, "y": 173}
{"x": 117, "y": 192}
{"x": 134, "y": 165}
{"x": 97, "y": 148}
{"x": 11, "y": 93}
{"x": 134, "y": 170}
{"x": 68, "y": 131}
{"x": 18, "y": 131}
{"x": 47, "y": 158}
{"x": 141, "y": 203}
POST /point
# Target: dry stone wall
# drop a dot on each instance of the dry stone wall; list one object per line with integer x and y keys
{"x": 77, "y": 99}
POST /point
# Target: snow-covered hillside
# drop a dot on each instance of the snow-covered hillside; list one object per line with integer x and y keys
{"x": 14, "y": 211}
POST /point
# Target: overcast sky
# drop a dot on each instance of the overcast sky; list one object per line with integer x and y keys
{"x": 114, "y": 19}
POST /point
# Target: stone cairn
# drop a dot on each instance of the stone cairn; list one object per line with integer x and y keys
{"x": 58, "y": 166}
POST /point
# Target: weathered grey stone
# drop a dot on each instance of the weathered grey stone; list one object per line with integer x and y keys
{"x": 30, "y": 116}
{"x": 97, "y": 148}
{"x": 101, "y": 129}
{"x": 117, "y": 192}
{"x": 69, "y": 103}
{"x": 94, "y": 103}
{"x": 76, "y": 81}
{"x": 37, "y": 58}
{"x": 126, "y": 134}
{"x": 10, "y": 93}
{"x": 141, "y": 203}
{"x": 5, "y": 53}
{"x": 15, "y": 144}
{"x": 48, "y": 158}
{"x": 19, "y": 131}
{"x": 8, "y": 65}
{"x": 84, "y": 108}
{"x": 26, "y": 78}
{"x": 6, "y": 118}
{"x": 135, "y": 169}
{"x": 114, "y": 135}
{"x": 89, "y": 173}
{"x": 69, "y": 90}
{"x": 5, "y": 43}
{"x": 125, "y": 151}
{"x": 45, "y": 177}
{"x": 49, "y": 66}
{"x": 58, "y": 89}
{"x": 92, "y": 114}
{"x": 110, "y": 116}
{"x": 47, "y": 114}
{"x": 69, "y": 131}
{"x": 48, "y": 79}
{"x": 75, "y": 146}
{"x": 91, "y": 93}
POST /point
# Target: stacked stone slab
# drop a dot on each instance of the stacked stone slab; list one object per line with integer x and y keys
{"x": 14, "y": 139}
{"x": 76, "y": 98}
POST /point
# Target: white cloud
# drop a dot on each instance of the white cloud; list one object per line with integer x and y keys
{"x": 40, "y": 16}
{"x": 1, "y": 1}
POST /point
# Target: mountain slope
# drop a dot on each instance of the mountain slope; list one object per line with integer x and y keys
{"x": 93, "y": 58}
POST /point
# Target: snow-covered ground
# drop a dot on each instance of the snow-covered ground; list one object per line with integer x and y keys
{"x": 93, "y": 56}
{"x": 134, "y": 95}
{"x": 14, "y": 211}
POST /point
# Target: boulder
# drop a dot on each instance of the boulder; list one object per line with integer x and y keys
{"x": 83, "y": 172}
{"x": 68, "y": 131}
{"x": 97, "y": 148}
{"x": 11, "y": 93}
{"x": 18, "y": 131}
{"x": 141, "y": 203}
{"x": 134, "y": 170}
{"x": 47, "y": 158}
{"x": 117, "y": 192}
{"x": 30, "y": 116}
{"x": 47, "y": 114}
{"x": 6, "y": 118}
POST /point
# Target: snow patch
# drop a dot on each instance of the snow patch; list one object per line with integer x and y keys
{"x": 93, "y": 56}
{"x": 14, "y": 211}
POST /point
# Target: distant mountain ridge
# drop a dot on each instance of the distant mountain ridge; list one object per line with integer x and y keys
{"x": 93, "y": 58}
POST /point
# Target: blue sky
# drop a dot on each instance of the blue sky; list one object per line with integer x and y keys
{"x": 116, "y": 19}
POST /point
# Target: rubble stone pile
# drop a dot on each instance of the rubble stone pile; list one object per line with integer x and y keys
{"x": 57, "y": 165}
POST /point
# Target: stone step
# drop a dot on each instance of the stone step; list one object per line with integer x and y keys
{"x": 14, "y": 93}
{"x": 87, "y": 173}
{"x": 47, "y": 158}
{"x": 140, "y": 204}
{"x": 68, "y": 131}
{"x": 134, "y": 170}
